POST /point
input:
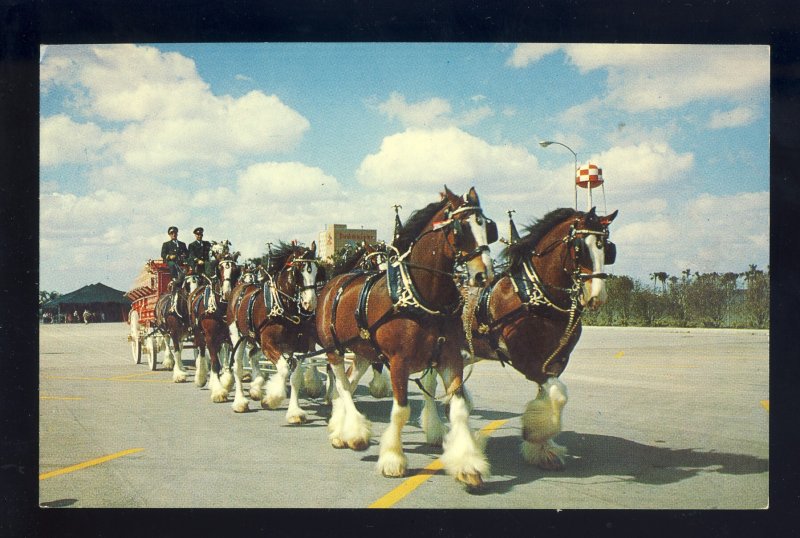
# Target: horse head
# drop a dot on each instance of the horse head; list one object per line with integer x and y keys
{"x": 228, "y": 272}
{"x": 471, "y": 233}
{"x": 191, "y": 282}
{"x": 592, "y": 251}
{"x": 297, "y": 272}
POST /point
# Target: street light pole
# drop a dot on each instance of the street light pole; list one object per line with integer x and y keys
{"x": 545, "y": 143}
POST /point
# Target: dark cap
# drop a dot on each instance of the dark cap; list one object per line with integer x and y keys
{"x": 198, "y": 230}
{"x": 172, "y": 229}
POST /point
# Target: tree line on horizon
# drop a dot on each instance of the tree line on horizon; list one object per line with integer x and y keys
{"x": 693, "y": 299}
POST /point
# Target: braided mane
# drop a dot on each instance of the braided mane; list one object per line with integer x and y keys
{"x": 280, "y": 254}
{"x": 415, "y": 223}
{"x": 348, "y": 263}
{"x": 534, "y": 232}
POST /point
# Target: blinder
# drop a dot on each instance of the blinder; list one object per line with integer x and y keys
{"x": 610, "y": 253}
{"x": 491, "y": 231}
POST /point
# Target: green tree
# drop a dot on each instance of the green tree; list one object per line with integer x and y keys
{"x": 757, "y": 296}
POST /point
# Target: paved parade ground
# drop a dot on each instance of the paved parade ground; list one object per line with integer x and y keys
{"x": 656, "y": 419}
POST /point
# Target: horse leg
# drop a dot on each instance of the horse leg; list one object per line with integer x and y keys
{"x": 169, "y": 357}
{"x": 240, "y": 402}
{"x": 347, "y": 426}
{"x": 463, "y": 456}
{"x": 356, "y": 372}
{"x": 204, "y": 342}
{"x": 219, "y": 393}
{"x": 312, "y": 381}
{"x": 329, "y": 385}
{"x": 379, "y": 387}
{"x": 257, "y": 380}
{"x": 540, "y": 423}
{"x": 276, "y": 386}
{"x": 178, "y": 373}
{"x": 429, "y": 418}
{"x": 392, "y": 462}
{"x": 295, "y": 415}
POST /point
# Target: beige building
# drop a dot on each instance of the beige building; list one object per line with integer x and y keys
{"x": 337, "y": 236}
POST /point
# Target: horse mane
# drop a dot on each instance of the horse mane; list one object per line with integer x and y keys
{"x": 534, "y": 232}
{"x": 280, "y": 255}
{"x": 348, "y": 262}
{"x": 415, "y": 223}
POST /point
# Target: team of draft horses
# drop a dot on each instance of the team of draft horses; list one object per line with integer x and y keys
{"x": 430, "y": 302}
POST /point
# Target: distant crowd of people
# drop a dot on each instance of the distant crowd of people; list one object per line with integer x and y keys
{"x": 75, "y": 317}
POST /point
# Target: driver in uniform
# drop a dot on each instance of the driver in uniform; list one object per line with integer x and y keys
{"x": 174, "y": 252}
{"x": 199, "y": 251}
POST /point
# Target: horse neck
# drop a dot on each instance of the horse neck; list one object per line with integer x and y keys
{"x": 431, "y": 262}
{"x": 282, "y": 282}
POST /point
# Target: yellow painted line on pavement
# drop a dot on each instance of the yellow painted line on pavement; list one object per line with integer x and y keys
{"x": 765, "y": 404}
{"x": 89, "y": 463}
{"x": 619, "y": 355}
{"x": 412, "y": 483}
{"x": 61, "y": 397}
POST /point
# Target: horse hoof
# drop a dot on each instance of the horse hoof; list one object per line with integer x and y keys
{"x": 240, "y": 407}
{"x": 473, "y": 481}
{"x": 179, "y": 379}
{"x": 338, "y": 443}
{"x": 552, "y": 463}
{"x": 297, "y": 419}
{"x": 358, "y": 444}
{"x": 246, "y": 378}
{"x": 219, "y": 398}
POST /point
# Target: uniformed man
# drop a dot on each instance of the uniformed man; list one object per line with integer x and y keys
{"x": 199, "y": 252}
{"x": 174, "y": 252}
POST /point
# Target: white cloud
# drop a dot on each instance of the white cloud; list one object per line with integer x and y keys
{"x": 643, "y": 165}
{"x": 656, "y": 77}
{"x": 426, "y": 158}
{"x": 290, "y": 181}
{"x": 165, "y": 115}
{"x": 432, "y": 113}
{"x": 737, "y": 117}
{"x": 738, "y": 225}
{"x": 526, "y": 54}
{"x": 62, "y": 141}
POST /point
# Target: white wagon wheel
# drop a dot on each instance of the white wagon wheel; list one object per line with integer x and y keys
{"x": 136, "y": 342}
{"x": 152, "y": 358}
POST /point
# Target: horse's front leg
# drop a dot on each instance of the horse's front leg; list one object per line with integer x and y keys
{"x": 203, "y": 342}
{"x": 463, "y": 456}
{"x": 429, "y": 418}
{"x": 295, "y": 415}
{"x": 240, "y": 403}
{"x": 392, "y": 462}
{"x": 541, "y": 422}
{"x": 276, "y": 385}
{"x": 178, "y": 373}
{"x": 257, "y": 379}
{"x": 347, "y": 426}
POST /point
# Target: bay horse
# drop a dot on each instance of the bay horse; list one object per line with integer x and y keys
{"x": 276, "y": 315}
{"x": 409, "y": 318}
{"x": 207, "y": 309}
{"x": 364, "y": 258}
{"x": 172, "y": 321}
{"x": 529, "y": 318}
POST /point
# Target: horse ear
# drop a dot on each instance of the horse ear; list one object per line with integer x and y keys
{"x": 592, "y": 212}
{"x": 472, "y": 197}
{"x": 451, "y": 197}
{"x": 605, "y": 221}
{"x": 313, "y": 246}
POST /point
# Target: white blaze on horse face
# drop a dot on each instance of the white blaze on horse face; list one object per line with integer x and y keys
{"x": 227, "y": 275}
{"x": 479, "y": 265}
{"x": 594, "y": 289}
{"x": 308, "y": 297}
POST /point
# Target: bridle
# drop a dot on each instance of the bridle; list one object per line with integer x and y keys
{"x": 300, "y": 265}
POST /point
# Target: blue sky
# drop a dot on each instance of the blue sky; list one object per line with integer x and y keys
{"x": 272, "y": 141}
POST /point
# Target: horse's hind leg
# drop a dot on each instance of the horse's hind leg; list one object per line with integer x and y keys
{"x": 380, "y": 385}
{"x": 463, "y": 456}
{"x": 540, "y": 423}
{"x": 240, "y": 403}
{"x": 257, "y": 380}
{"x": 429, "y": 418}
{"x": 312, "y": 381}
{"x": 295, "y": 415}
{"x": 204, "y": 343}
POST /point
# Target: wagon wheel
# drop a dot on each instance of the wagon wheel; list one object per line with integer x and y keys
{"x": 152, "y": 359}
{"x": 136, "y": 343}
